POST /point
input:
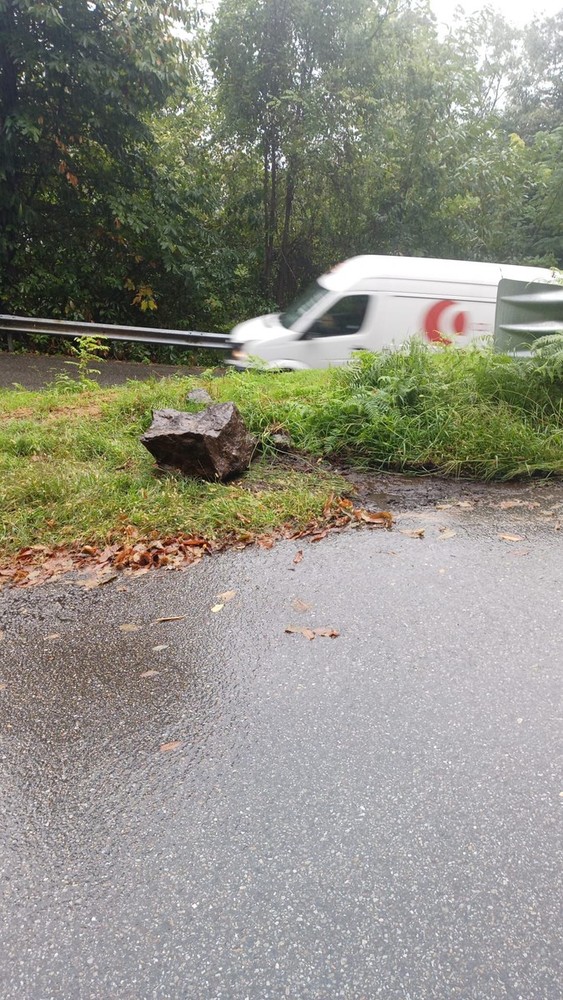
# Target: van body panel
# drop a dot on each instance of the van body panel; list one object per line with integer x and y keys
{"x": 373, "y": 302}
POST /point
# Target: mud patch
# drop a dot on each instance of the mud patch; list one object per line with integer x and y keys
{"x": 402, "y": 493}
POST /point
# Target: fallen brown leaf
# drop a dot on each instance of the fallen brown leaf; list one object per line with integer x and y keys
{"x": 300, "y": 605}
{"x": 173, "y": 745}
{"x": 217, "y": 607}
{"x": 3, "y": 687}
{"x": 319, "y": 535}
{"x": 129, "y": 627}
{"x": 227, "y": 596}
{"x": 53, "y": 635}
{"x": 310, "y": 633}
{"x": 168, "y": 618}
{"x": 413, "y": 532}
{"x": 380, "y": 519}
{"x": 447, "y": 533}
{"x": 327, "y": 509}
{"x": 296, "y": 630}
{"x": 265, "y": 541}
{"x": 91, "y": 582}
{"x": 298, "y": 556}
{"x": 150, "y": 673}
{"x": 511, "y": 538}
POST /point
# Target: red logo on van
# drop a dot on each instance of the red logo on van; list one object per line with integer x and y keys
{"x": 434, "y": 323}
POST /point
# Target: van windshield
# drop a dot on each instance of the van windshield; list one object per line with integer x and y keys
{"x": 302, "y": 303}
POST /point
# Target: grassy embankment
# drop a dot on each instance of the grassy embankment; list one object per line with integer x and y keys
{"x": 72, "y": 469}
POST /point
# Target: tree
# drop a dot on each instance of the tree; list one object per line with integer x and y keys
{"x": 535, "y": 92}
{"x": 286, "y": 71}
{"x": 77, "y": 81}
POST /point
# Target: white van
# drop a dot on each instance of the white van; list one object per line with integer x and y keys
{"x": 372, "y": 302}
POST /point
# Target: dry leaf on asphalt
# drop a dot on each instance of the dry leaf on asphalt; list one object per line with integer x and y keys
{"x": 91, "y": 582}
{"x": 265, "y": 541}
{"x": 319, "y": 535}
{"x": 298, "y": 556}
{"x": 173, "y": 745}
{"x": 157, "y": 649}
{"x": 310, "y": 633}
{"x": 3, "y": 687}
{"x": 150, "y": 673}
{"x": 53, "y": 635}
{"x": 217, "y": 607}
{"x": 169, "y": 618}
{"x": 511, "y": 538}
{"x": 379, "y": 519}
{"x": 413, "y": 532}
{"x": 447, "y": 533}
{"x": 300, "y": 605}
{"x": 227, "y": 596}
{"x": 295, "y": 629}
{"x": 129, "y": 627}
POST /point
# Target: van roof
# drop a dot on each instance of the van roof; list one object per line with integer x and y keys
{"x": 357, "y": 269}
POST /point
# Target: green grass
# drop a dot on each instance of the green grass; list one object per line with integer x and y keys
{"x": 72, "y": 469}
{"x": 471, "y": 414}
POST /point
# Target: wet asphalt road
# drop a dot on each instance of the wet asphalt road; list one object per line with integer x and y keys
{"x": 35, "y": 371}
{"x": 373, "y": 815}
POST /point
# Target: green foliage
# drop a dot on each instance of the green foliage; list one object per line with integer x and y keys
{"x": 192, "y": 178}
{"x": 467, "y": 413}
{"x": 77, "y": 82}
{"x": 80, "y": 472}
{"x": 88, "y": 351}
{"x": 72, "y": 468}
{"x": 549, "y": 352}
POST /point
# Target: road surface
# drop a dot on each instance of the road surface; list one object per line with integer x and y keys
{"x": 35, "y": 371}
{"x": 213, "y": 808}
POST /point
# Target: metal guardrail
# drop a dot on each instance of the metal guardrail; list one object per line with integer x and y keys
{"x": 140, "y": 334}
{"x": 525, "y": 312}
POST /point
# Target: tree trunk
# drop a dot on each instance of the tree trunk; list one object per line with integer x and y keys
{"x": 9, "y": 182}
{"x": 270, "y": 209}
{"x": 286, "y": 283}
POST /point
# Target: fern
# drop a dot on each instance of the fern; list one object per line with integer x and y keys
{"x": 549, "y": 351}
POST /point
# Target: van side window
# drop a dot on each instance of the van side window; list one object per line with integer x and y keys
{"x": 344, "y": 317}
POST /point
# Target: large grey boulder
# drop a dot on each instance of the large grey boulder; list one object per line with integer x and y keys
{"x": 212, "y": 444}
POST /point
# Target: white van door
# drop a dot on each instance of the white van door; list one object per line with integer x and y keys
{"x": 332, "y": 336}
